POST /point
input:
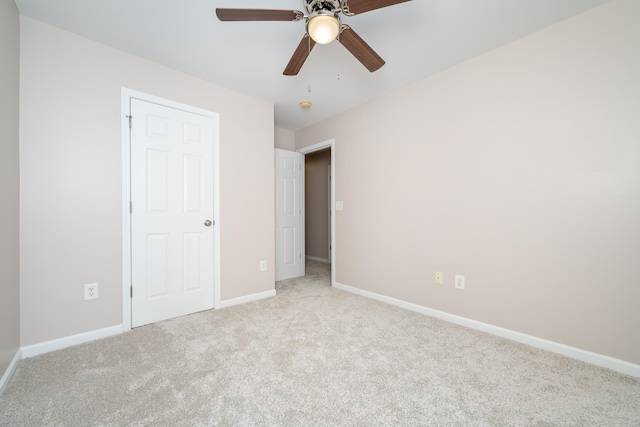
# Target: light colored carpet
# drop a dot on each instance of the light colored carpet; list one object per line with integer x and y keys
{"x": 313, "y": 356}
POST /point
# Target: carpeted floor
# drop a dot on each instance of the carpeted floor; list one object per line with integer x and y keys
{"x": 313, "y": 356}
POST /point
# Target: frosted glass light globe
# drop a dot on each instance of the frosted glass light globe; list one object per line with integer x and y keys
{"x": 323, "y": 29}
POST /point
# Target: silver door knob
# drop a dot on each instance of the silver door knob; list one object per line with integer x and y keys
{"x": 208, "y": 223}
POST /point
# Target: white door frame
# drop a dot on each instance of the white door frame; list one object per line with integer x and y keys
{"x": 126, "y": 96}
{"x": 330, "y": 143}
{"x": 329, "y": 213}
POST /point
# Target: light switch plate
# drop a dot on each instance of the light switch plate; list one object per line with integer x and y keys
{"x": 339, "y": 205}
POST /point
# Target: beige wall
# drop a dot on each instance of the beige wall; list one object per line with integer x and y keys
{"x": 316, "y": 198}
{"x": 285, "y": 139}
{"x": 519, "y": 169}
{"x": 9, "y": 183}
{"x": 71, "y": 179}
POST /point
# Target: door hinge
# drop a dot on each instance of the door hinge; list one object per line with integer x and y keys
{"x": 131, "y": 289}
{"x": 130, "y": 121}
{"x": 130, "y": 207}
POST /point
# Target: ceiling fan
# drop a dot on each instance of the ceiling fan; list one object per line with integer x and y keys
{"x": 322, "y": 26}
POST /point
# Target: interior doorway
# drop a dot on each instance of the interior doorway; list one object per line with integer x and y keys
{"x": 319, "y": 202}
{"x": 317, "y": 205}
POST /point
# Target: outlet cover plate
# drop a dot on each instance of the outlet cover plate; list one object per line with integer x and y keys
{"x": 438, "y": 277}
{"x": 459, "y": 283}
{"x": 263, "y": 265}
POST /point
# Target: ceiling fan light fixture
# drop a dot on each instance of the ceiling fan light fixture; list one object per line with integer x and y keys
{"x": 323, "y": 27}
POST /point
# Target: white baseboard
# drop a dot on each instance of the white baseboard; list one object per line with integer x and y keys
{"x": 247, "y": 298}
{"x": 312, "y": 258}
{"x": 60, "y": 343}
{"x": 565, "y": 350}
{"x": 11, "y": 369}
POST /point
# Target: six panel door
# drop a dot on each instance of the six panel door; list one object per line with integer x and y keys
{"x": 172, "y": 199}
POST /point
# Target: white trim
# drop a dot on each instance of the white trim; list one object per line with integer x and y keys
{"x": 313, "y": 258}
{"x": 303, "y": 208}
{"x": 330, "y": 194}
{"x": 330, "y": 143}
{"x": 125, "y": 107}
{"x": 11, "y": 369}
{"x": 126, "y": 96}
{"x": 247, "y": 298}
{"x": 317, "y": 147}
{"x": 60, "y": 343}
{"x": 217, "y": 264}
{"x": 565, "y": 350}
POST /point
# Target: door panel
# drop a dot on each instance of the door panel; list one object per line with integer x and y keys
{"x": 289, "y": 251}
{"x": 191, "y": 257}
{"x": 193, "y": 184}
{"x": 157, "y": 194}
{"x": 289, "y": 246}
{"x": 172, "y": 197}
{"x": 157, "y": 265}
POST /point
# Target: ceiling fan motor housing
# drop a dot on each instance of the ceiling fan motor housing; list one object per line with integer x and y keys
{"x": 313, "y": 6}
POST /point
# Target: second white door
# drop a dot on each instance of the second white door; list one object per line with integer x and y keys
{"x": 289, "y": 215}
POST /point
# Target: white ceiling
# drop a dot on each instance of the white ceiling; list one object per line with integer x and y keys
{"x": 416, "y": 39}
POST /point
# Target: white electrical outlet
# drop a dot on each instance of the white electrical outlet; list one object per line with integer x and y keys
{"x": 459, "y": 283}
{"x": 438, "y": 277}
{"x": 263, "y": 265}
{"x": 91, "y": 291}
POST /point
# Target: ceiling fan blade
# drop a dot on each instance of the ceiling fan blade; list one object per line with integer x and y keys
{"x": 360, "y": 49}
{"x": 299, "y": 56}
{"x": 362, "y": 6}
{"x": 258, "y": 15}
